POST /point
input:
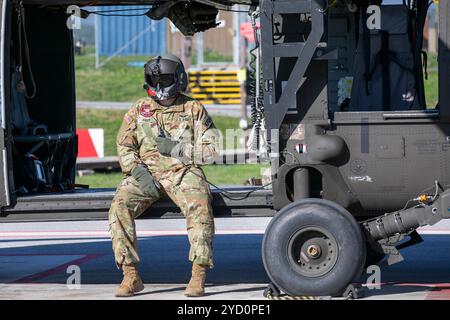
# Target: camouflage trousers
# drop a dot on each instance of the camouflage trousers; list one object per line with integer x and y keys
{"x": 188, "y": 191}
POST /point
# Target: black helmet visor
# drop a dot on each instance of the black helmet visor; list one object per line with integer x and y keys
{"x": 164, "y": 80}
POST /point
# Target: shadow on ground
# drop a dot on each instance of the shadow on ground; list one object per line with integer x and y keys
{"x": 237, "y": 261}
{"x": 164, "y": 259}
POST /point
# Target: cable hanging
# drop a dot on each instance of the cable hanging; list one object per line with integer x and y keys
{"x": 255, "y": 91}
{"x": 24, "y": 46}
{"x": 111, "y": 13}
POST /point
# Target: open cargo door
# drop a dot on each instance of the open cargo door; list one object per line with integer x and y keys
{"x": 4, "y": 186}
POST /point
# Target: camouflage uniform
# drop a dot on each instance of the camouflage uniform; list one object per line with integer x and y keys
{"x": 181, "y": 179}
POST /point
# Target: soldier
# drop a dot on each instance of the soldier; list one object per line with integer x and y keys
{"x": 163, "y": 140}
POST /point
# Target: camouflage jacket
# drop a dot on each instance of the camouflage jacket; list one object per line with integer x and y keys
{"x": 186, "y": 120}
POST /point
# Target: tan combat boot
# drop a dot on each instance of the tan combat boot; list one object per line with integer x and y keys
{"x": 131, "y": 282}
{"x": 196, "y": 287}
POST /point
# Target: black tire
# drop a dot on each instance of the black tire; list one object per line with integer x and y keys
{"x": 289, "y": 231}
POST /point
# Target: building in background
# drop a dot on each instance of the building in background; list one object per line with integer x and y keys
{"x": 431, "y": 31}
{"x": 129, "y": 32}
{"x": 131, "y": 35}
{"x": 139, "y": 35}
{"x": 217, "y": 42}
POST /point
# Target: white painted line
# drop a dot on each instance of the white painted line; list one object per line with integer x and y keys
{"x": 152, "y": 233}
{"x": 5, "y": 181}
{"x": 140, "y": 233}
{"x": 25, "y": 243}
{"x": 435, "y": 232}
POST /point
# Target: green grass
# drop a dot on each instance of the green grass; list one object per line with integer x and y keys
{"x": 211, "y": 56}
{"x": 432, "y": 84}
{"x": 101, "y": 180}
{"x": 218, "y": 174}
{"x": 232, "y": 174}
{"x": 116, "y": 81}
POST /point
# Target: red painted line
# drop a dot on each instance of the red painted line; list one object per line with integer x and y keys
{"x": 440, "y": 291}
{"x": 439, "y": 294}
{"x": 437, "y": 291}
{"x": 51, "y": 237}
{"x": 69, "y": 237}
{"x": 28, "y": 231}
{"x": 431, "y": 285}
{"x": 58, "y": 269}
{"x": 40, "y": 254}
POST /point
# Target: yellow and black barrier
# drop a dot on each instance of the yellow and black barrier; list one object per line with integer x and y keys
{"x": 216, "y": 86}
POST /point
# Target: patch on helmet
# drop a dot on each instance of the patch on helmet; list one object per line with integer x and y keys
{"x": 146, "y": 111}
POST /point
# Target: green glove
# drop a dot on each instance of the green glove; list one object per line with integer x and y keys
{"x": 169, "y": 148}
{"x": 147, "y": 184}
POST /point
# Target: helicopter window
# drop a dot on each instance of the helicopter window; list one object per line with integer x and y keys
{"x": 388, "y": 72}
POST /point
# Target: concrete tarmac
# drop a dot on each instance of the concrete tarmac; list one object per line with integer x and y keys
{"x": 43, "y": 260}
